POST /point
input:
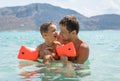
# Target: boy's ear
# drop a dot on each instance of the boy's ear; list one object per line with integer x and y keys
{"x": 44, "y": 35}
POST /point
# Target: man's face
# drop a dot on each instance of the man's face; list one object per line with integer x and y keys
{"x": 64, "y": 33}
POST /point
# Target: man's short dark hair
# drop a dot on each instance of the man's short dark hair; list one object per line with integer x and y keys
{"x": 70, "y": 22}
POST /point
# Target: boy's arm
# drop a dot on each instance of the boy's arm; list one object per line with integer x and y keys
{"x": 39, "y": 48}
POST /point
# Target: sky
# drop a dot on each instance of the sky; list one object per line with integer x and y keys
{"x": 85, "y": 7}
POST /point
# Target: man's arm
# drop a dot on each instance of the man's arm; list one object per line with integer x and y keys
{"x": 83, "y": 53}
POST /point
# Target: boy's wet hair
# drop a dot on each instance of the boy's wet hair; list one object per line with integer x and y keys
{"x": 44, "y": 27}
{"x": 70, "y": 22}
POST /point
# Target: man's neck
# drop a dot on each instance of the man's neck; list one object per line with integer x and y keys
{"x": 75, "y": 40}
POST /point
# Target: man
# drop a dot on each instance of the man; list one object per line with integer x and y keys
{"x": 69, "y": 28}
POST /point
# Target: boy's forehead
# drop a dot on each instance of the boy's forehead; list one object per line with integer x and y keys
{"x": 52, "y": 26}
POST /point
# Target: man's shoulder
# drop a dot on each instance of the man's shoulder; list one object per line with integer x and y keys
{"x": 84, "y": 45}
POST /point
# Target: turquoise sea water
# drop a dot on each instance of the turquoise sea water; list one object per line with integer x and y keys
{"x": 104, "y": 59}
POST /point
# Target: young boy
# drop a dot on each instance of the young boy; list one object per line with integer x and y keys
{"x": 47, "y": 50}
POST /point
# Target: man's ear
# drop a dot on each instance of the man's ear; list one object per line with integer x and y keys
{"x": 73, "y": 32}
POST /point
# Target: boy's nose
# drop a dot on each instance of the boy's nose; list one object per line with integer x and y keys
{"x": 57, "y": 33}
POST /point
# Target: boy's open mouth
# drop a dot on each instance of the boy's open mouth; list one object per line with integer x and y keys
{"x": 55, "y": 36}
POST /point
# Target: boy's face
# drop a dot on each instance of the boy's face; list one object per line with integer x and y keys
{"x": 52, "y": 34}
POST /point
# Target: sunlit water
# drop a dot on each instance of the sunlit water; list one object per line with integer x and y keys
{"x": 104, "y": 59}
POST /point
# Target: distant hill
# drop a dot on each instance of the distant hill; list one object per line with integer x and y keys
{"x": 30, "y": 17}
{"x": 107, "y": 21}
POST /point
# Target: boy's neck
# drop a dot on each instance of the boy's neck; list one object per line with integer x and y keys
{"x": 48, "y": 43}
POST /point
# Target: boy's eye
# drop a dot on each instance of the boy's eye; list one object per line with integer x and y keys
{"x": 53, "y": 30}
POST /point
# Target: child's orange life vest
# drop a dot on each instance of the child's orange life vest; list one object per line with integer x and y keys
{"x": 27, "y": 53}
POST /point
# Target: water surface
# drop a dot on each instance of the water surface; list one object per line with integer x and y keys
{"x": 104, "y": 62}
